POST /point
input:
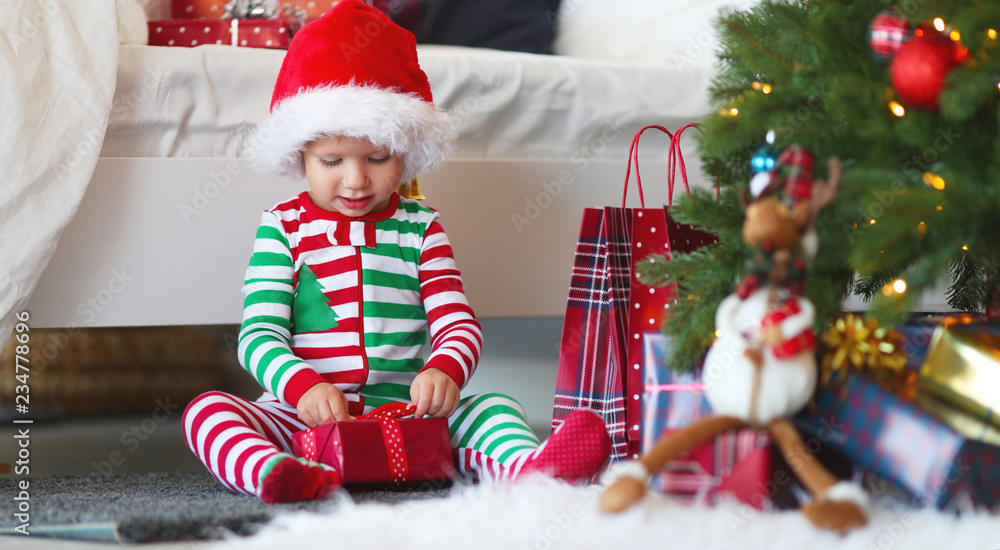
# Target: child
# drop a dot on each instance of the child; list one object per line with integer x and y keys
{"x": 347, "y": 278}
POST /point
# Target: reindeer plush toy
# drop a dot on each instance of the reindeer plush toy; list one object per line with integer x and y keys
{"x": 762, "y": 367}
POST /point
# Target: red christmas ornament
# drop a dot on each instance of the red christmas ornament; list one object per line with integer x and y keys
{"x": 919, "y": 69}
{"x": 887, "y": 34}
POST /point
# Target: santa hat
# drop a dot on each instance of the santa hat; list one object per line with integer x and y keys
{"x": 352, "y": 73}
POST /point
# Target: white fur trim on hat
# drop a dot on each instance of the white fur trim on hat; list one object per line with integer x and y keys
{"x": 403, "y": 123}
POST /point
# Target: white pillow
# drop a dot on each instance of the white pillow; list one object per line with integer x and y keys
{"x": 132, "y": 28}
{"x": 678, "y": 32}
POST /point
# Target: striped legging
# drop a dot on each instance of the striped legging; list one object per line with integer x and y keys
{"x": 234, "y": 437}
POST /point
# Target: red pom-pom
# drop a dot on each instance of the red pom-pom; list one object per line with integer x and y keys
{"x": 887, "y": 34}
{"x": 919, "y": 69}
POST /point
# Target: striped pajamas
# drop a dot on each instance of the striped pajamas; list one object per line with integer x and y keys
{"x": 350, "y": 301}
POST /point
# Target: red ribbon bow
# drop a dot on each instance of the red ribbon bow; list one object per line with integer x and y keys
{"x": 395, "y": 453}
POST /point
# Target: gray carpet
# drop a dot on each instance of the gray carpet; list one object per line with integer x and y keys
{"x": 135, "y": 508}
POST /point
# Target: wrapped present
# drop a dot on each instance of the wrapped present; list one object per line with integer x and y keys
{"x": 196, "y": 9}
{"x": 906, "y": 443}
{"x": 917, "y": 336}
{"x": 379, "y": 449}
{"x": 314, "y": 9}
{"x": 735, "y": 464}
{"x": 670, "y": 400}
{"x": 962, "y": 366}
{"x": 856, "y": 344}
{"x": 251, "y": 33}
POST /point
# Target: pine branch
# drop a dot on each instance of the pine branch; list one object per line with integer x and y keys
{"x": 929, "y": 180}
{"x": 970, "y": 288}
{"x": 871, "y": 284}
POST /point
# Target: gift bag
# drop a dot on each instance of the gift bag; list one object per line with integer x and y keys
{"x": 608, "y": 309}
{"x": 382, "y": 450}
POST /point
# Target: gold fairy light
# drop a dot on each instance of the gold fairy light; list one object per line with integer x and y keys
{"x": 939, "y": 24}
{"x": 734, "y": 111}
{"x": 896, "y": 108}
{"x": 955, "y": 36}
{"x": 899, "y": 286}
{"x": 934, "y": 180}
{"x": 992, "y": 33}
{"x": 921, "y": 228}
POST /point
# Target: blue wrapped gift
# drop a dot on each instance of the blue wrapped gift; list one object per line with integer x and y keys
{"x": 670, "y": 400}
{"x": 911, "y": 444}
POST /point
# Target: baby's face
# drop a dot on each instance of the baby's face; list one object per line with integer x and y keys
{"x": 350, "y": 176}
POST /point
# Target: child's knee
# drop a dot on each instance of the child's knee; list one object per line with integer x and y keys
{"x": 492, "y": 399}
{"x": 203, "y": 401}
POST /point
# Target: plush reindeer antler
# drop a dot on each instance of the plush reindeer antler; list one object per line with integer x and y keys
{"x": 824, "y": 192}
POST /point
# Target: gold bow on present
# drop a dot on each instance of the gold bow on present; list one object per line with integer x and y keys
{"x": 856, "y": 344}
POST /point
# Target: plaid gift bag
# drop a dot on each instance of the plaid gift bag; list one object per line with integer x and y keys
{"x": 608, "y": 310}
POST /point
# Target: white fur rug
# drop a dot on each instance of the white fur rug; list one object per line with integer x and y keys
{"x": 542, "y": 514}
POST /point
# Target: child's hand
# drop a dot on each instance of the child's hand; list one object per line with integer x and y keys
{"x": 434, "y": 393}
{"x": 322, "y": 404}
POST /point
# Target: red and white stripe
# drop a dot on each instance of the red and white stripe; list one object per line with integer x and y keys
{"x": 234, "y": 437}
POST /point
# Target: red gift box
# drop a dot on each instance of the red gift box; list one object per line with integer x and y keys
{"x": 195, "y": 9}
{"x": 252, "y": 33}
{"x": 373, "y": 451}
{"x": 736, "y": 463}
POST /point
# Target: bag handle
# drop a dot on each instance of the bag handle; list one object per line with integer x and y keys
{"x": 675, "y": 158}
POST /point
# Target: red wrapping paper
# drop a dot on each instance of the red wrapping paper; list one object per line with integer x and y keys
{"x": 250, "y": 33}
{"x": 357, "y": 449}
{"x": 314, "y": 8}
{"x": 194, "y": 9}
{"x": 737, "y": 463}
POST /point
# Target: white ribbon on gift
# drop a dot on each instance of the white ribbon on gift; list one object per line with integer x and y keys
{"x": 234, "y": 31}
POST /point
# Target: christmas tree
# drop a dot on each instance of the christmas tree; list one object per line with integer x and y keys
{"x": 311, "y": 309}
{"x": 906, "y": 95}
